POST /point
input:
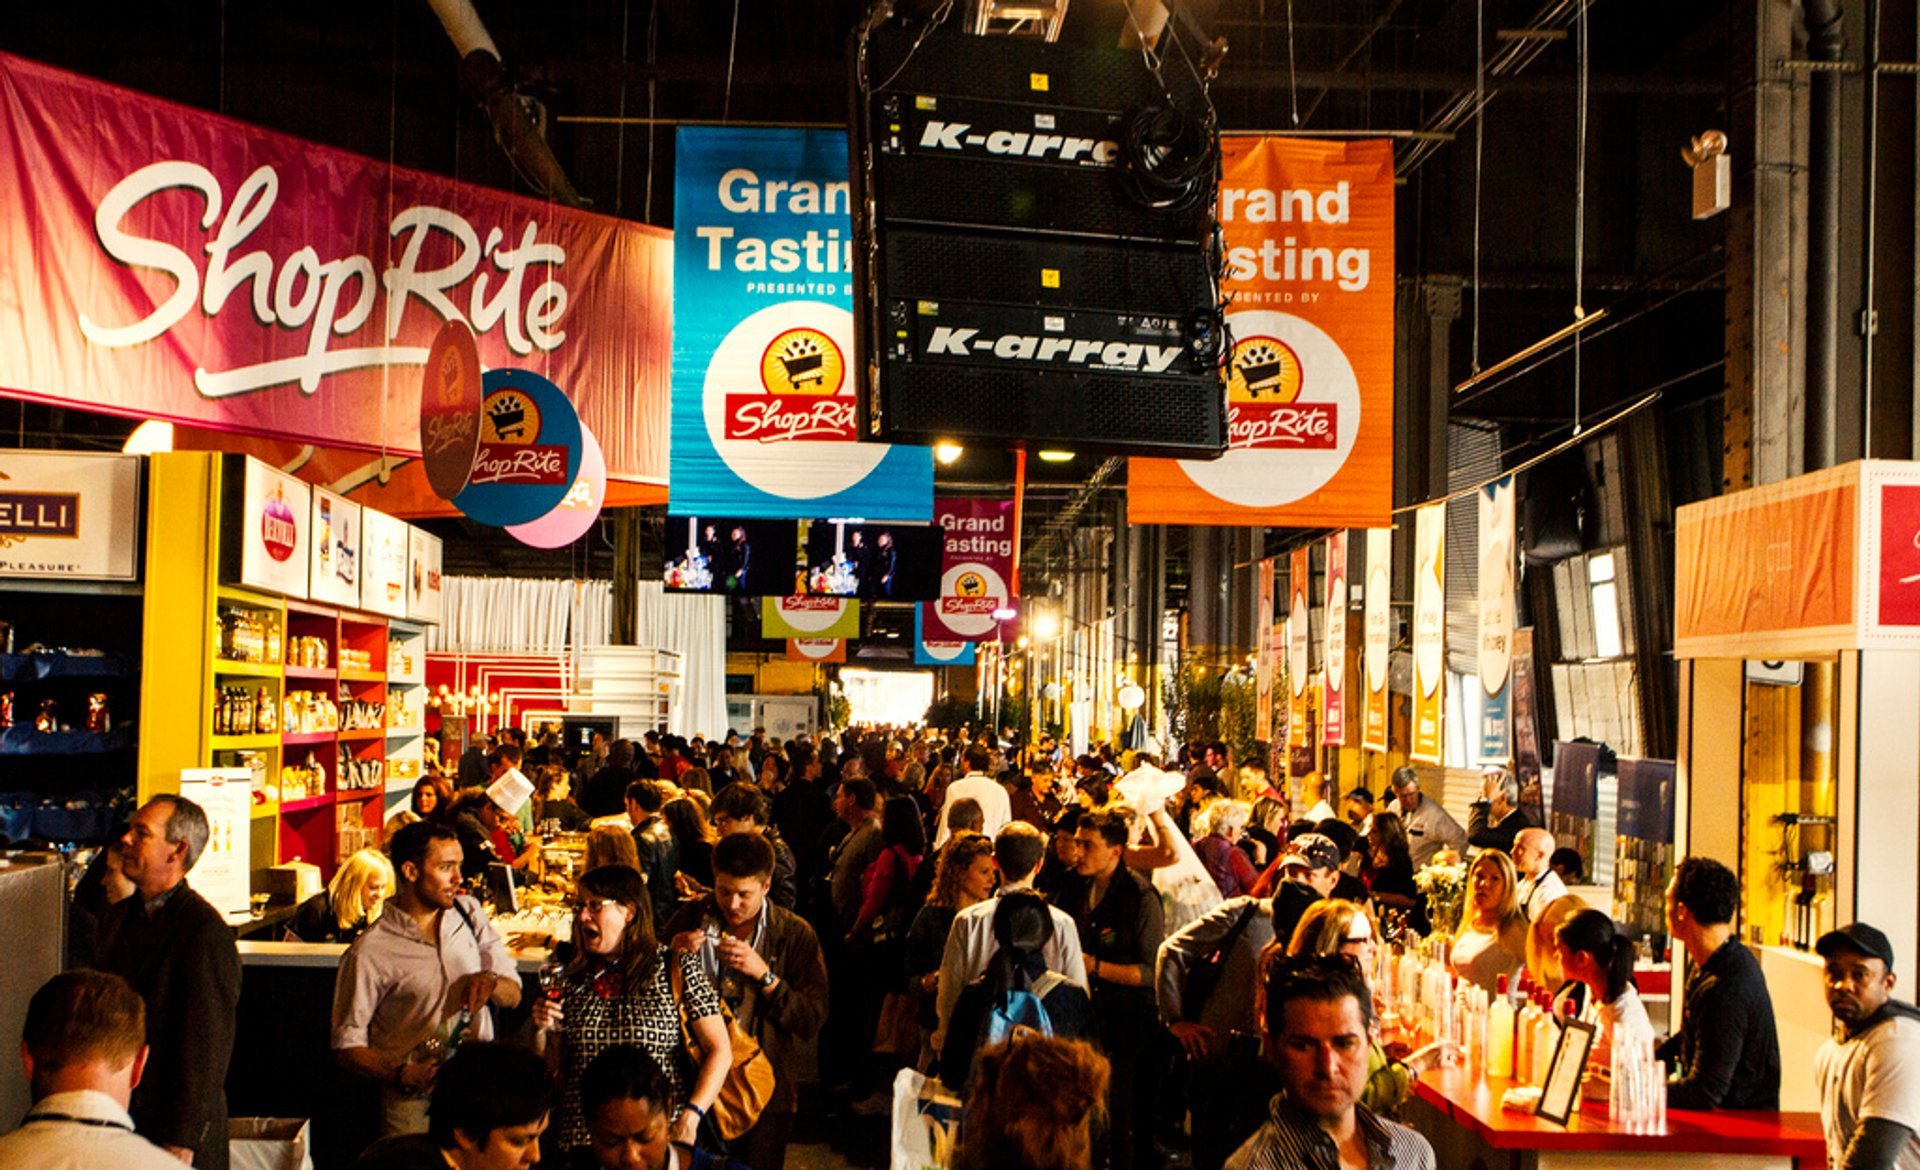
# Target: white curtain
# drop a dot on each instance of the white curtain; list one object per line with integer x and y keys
{"x": 511, "y": 615}
{"x": 694, "y": 627}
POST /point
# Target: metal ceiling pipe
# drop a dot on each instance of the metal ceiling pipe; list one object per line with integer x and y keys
{"x": 484, "y": 78}
{"x": 1826, "y": 41}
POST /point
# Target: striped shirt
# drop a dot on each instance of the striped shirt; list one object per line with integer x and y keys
{"x": 1290, "y": 1140}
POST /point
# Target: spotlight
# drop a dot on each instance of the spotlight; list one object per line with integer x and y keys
{"x": 1056, "y": 457}
{"x": 947, "y": 454}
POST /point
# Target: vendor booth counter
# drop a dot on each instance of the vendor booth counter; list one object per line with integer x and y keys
{"x": 1459, "y": 1112}
{"x": 1797, "y": 645}
{"x": 283, "y": 1063}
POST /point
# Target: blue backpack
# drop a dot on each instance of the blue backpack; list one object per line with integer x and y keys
{"x": 1020, "y": 1009}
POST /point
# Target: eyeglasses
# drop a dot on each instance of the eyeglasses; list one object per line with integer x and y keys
{"x": 594, "y": 905}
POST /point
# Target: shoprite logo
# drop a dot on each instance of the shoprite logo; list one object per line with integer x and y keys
{"x": 509, "y": 454}
{"x": 802, "y": 373}
{"x": 1264, "y": 381}
{"x": 506, "y": 286}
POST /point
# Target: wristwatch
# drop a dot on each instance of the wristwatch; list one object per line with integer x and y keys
{"x": 768, "y": 980}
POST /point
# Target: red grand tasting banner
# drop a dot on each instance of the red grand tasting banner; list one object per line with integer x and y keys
{"x": 162, "y": 262}
{"x": 976, "y": 570}
{"x": 1309, "y": 236}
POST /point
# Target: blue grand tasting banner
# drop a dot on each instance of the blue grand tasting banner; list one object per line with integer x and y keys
{"x": 763, "y": 379}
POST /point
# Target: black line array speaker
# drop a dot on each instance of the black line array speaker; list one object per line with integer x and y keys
{"x": 1014, "y": 283}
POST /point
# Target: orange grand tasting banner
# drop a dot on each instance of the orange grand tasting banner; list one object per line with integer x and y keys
{"x": 1309, "y": 236}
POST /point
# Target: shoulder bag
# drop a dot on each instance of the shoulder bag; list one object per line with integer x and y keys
{"x": 749, "y": 1084}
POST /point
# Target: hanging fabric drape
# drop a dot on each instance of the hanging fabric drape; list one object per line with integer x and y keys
{"x": 695, "y": 627}
{"x": 495, "y": 615}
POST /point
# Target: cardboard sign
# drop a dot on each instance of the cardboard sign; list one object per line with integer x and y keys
{"x": 1379, "y": 638}
{"x": 1429, "y": 634}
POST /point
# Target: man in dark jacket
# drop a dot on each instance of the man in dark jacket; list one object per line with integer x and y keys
{"x": 659, "y": 854}
{"x": 742, "y": 808}
{"x": 179, "y": 954}
{"x": 766, "y": 963}
{"x": 1726, "y": 1054}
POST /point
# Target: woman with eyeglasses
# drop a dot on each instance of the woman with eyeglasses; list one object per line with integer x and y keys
{"x": 624, "y": 986}
{"x": 1334, "y": 926}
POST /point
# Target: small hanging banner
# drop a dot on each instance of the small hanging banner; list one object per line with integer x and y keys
{"x": 1333, "y": 724}
{"x": 816, "y": 649}
{"x": 1299, "y": 574}
{"x": 1429, "y": 634}
{"x": 1496, "y": 620}
{"x": 1264, "y": 660}
{"x": 809, "y": 617}
{"x": 1379, "y": 635}
{"x": 976, "y": 570}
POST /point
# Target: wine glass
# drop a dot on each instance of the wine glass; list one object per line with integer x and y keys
{"x": 549, "y": 976}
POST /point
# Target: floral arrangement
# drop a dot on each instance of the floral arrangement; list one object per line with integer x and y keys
{"x": 836, "y": 579}
{"x": 1444, "y": 882}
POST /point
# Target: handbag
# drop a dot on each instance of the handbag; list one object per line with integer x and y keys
{"x": 748, "y": 1087}
{"x": 1204, "y": 976}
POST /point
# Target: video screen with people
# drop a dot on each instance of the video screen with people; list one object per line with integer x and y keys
{"x": 746, "y": 558}
{"x": 875, "y": 562}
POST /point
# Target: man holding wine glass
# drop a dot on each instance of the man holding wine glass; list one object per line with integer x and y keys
{"x": 421, "y": 979}
{"x": 765, "y": 962}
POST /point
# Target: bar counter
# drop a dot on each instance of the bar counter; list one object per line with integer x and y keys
{"x": 283, "y": 1065}
{"x": 1459, "y": 1112}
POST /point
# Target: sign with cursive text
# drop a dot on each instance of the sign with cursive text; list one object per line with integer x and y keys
{"x": 163, "y": 262}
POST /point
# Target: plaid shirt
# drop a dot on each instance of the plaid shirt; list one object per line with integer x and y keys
{"x": 1290, "y": 1140}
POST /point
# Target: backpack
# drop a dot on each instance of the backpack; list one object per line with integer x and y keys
{"x": 1018, "y": 1009}
{"x": 980, "y": 1020}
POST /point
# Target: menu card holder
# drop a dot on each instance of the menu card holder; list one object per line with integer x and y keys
{"x": 1563, "y": 1075}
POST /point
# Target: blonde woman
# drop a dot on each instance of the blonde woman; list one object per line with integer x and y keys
{"x": 349, "y": 904}
{"x": 1493, "y": 932}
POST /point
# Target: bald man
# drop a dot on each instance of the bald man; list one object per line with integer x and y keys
{"x": 1540, "y": 886}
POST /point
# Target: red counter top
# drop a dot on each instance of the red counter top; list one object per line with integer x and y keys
{"x": 1474, "y": 1103}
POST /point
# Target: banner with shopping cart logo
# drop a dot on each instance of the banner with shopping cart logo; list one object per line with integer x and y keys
{"x": 1309, "y": 236}
{"x": 763, "y": 388}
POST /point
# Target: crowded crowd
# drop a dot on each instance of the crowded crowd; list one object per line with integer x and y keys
{"x": 1112, "y": 960}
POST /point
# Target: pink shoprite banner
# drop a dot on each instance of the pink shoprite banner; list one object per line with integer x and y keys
{"x": 976, "y": 570}
{"x": 162, "y": 262}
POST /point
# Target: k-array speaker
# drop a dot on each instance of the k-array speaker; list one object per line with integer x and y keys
{"x": 1035, "y": 260}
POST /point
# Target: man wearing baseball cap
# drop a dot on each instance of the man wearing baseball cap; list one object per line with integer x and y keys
{"x": 1869, "y": 1070}
{"x": 1204, "y": 982}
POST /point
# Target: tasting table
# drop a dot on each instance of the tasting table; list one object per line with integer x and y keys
{"x": 1459, "y": 1112}
{"x": 283, "y": 1064}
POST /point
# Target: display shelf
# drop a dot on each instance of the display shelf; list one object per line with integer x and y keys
{"x": 309, "y": 673}
{"x": 266, "y": 811}
{"x": 305, "y": 803}
{"x": 365, "y": 735}
{"x": 229, "y": 666}
{"x": 302, "y": 738}
{"x": 244, "y": 743}
{"x": 369, "y": 676}
{"x": 349, "y": 795}
{"x": 57, "y": 664}
{"x": 20, "y": 740}
{"x": 405, "y": 732}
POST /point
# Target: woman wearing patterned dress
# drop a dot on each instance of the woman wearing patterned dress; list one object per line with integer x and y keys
{"x": 619, "y": 990}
